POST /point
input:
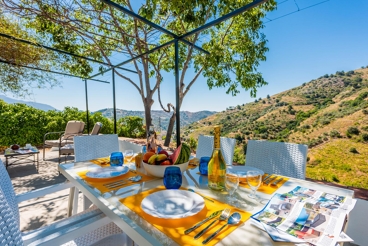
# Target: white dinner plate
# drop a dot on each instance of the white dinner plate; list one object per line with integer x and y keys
{"x": 241, "y": 171}
{"x": 172, "y": 204}
{"x": 107, "y": 172}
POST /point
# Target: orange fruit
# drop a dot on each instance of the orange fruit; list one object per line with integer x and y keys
{"x": 146, "y": 156}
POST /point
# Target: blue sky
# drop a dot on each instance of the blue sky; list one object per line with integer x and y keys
{"x": 305, "y": 45}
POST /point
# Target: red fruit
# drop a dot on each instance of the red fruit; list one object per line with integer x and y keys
{"x": 166, "y": 162}
{"x": 164, "y": 152}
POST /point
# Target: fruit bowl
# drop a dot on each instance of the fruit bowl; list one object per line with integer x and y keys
{"x": 159, "y": 170}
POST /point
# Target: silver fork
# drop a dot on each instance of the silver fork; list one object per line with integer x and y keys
{"x": 224, "y": 215}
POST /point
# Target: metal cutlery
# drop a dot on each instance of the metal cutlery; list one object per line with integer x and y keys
{"x": 213, "y": 215}
{"x": 224, "y": 215}
{"x": 201, "y": 195}
{"x": 267, "y": 177}
{"x": 270, "y": 180}
{"x": 123, "y": 181}
{"x": 234, "y": 219}
{"x": 277, "y": 181}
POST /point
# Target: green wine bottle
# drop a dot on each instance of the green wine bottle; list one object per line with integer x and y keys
{"x": 217, "y": 164}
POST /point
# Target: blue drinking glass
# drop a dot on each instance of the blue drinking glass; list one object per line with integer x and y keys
{"x": 116, "y": 159}
{"x": 203, "y": 165}
{"x": 172, "y": 177}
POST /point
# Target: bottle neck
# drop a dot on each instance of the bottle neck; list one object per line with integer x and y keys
{"x": 216, "y": 139}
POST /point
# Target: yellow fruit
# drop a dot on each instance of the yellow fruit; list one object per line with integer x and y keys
{"x": 152, "y": 159}
{"x": 161, "y": 157}
{"x": 147, "y": 155}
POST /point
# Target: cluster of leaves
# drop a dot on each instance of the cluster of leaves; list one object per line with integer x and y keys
{"x": 22, "y": 124}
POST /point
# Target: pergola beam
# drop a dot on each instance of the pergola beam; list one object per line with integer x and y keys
{"x": 61, "y": 51}
{"x": 150, "y": 23}
{"x": 50, "y": 71}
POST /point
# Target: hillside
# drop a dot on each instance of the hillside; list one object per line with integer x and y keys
{"x": 160, "y": 118}
{"x": 329, "y": 114}
{"x": 42, "y": 106}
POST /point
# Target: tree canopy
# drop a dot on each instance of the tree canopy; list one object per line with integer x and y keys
{"x": 95, "y": 29}
{"x": 14, "y": 78}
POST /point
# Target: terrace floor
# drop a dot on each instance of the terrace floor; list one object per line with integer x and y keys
{"x": 42, "y": 211}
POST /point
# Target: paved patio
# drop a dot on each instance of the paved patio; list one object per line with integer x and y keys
{"x": 42, "y": 211}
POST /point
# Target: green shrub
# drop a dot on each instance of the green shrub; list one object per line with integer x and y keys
{"x": 335, "y": 134}
{"x": 352, "y": 131}
{"x": 365, "y": 137}
{"x": 353, "y": 150}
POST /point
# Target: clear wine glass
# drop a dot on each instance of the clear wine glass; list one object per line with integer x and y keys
{"x": 254, "y": 179}
{"x": 231, "y": 184}
{"x": 128, "y": 155}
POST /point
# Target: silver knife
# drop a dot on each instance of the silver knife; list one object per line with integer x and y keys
{"x": 213, "y": 215}
{"x": 277, "y": 181}
{"x": 270, "y": 180}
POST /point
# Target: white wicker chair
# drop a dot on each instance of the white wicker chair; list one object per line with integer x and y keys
{"x": 95, "y": 146}
{"x": 205, "y": 147}
{"x": 286, "y": 159}
{"x": 86, "y": 228}
{"x": 92, "y": 147}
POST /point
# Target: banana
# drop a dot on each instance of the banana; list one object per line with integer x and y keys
{"x": 161, "y": 157}
{"x": 152, "y": 159}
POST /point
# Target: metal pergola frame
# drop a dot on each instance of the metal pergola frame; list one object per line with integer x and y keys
{"x": 174, "y": 41}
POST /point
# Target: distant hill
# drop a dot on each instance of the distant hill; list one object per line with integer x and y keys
{"x": 40, "y": 106}
{"x": 159, "y": 117}
{"x": 329, "y": 114}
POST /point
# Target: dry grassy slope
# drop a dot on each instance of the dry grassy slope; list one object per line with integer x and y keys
{"x": 277, "y": 114}
{"x": 333, "y": 162}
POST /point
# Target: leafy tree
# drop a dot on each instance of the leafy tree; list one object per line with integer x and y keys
{"x": 352, "y": 131}
{"x": 15, "y": 79}
{"x": 236, "y": 46}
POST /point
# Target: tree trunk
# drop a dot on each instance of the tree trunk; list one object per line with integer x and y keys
{"x": 148, "y": 118}
{"x": 170, "y": 129}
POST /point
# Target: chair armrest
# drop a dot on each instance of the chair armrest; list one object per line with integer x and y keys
{"x": 42, "y": 191}
{"x": 48, "y": 133}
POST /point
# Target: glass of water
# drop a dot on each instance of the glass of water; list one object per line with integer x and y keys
{"x": 254, "y": 179}
{"x": 231, "y": 184}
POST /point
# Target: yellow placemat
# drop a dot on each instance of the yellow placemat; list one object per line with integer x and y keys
{"x": 103, "y": 161}
{"x": 174, "y": 228}
{"x": 268, "y": 189}
{"x": 99, "y": 183}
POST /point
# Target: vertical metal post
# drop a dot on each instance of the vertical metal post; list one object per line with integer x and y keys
{"x": 113, "y": 96}
{"x": 87, "y": 112}
{"x": 177, "y": 92}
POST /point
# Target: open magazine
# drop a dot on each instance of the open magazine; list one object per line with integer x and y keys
{"x": 307, "y": 215}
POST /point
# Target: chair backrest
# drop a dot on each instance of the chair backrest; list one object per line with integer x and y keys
{"x": 205, "y": 147}
{"x": 124, "y": 145}
{"x": 96, "y": 128}
{"x": 94, "y": 146}
{"x": 8, "y": 190}
{"x": 73, "y": 128}
{"x": 286, "y": 159}
{"x": 9, "y": 214}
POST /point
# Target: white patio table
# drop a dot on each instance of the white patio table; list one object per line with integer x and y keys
{"x": 143, "y": 233}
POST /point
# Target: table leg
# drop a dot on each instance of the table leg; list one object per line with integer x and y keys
{"x": 75, "y": 201}
{"x": 6, "y": 162}
{"x": 38, "y": 163}
{"x": 70, "y": 202}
